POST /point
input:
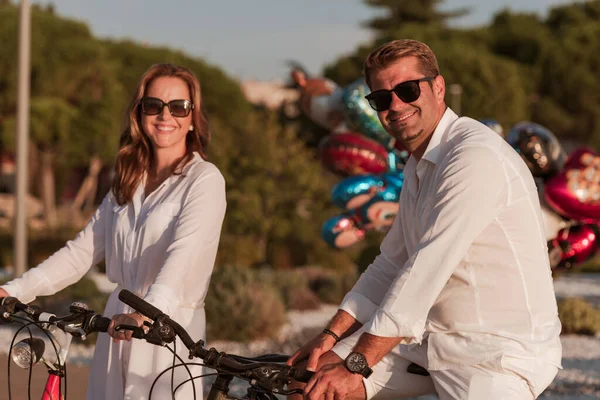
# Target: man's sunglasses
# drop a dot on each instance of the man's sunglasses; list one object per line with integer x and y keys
{"x": 408, "y": 92}
{"x": 177, "y": 108}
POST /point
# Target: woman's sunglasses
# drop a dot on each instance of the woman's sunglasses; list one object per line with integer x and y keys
{"x": 177, "y": 108}
{"x": 408, "y": 92}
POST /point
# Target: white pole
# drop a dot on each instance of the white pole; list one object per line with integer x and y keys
{"x": 20, "y": 239}
{"x": 456, "y": 93}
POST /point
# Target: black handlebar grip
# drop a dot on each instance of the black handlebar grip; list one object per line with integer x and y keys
{"x": 301, "y": 375}
{"x": 99, "y": 324}
{"x": 139, "y": 305}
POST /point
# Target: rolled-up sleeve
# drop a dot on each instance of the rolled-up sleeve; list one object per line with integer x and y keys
{"x": 368, "y": 292}
{"x": 469, "y": 194}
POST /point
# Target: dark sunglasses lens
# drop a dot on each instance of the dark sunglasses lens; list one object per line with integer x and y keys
{"x": 408, "y": 91}
{"x": 179, "y": 108}
{"x": 380, "y": 101}
{"x": 151, "y": 106}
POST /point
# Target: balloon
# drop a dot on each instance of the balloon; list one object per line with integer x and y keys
{"x": 493, "y": 125}
{"x": 360, "y": 117}
{"x": 341, "y": 231}
{"x": 320, "y": 100}
{"x": 355, "y": 191}
{"x": 553, "y": 222}
{"x": 372, "y": 201}
{"x": 352, "y": 154}
{"x": 538, "y": 147}
{"x": 573, "y": 245}
{"x": 379, "y": 212}
{"x": 575, "y": 192}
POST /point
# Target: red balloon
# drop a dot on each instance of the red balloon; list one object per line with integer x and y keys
{"x": 573, "y": 245}
{"x": 350, "y": 153}
{"x": 575, "y": 191}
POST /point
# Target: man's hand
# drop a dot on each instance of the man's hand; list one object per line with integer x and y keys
{"x": 313, "y": 350}
{"x": 134, "y": 319}
{"x": 334, "y": 381}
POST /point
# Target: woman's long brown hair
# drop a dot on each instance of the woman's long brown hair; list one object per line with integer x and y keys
{"x": 135, "y": 155}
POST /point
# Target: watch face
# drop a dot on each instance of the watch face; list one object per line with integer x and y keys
{"x": 356, "y": 362}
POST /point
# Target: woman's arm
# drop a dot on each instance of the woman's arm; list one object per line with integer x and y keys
{"x": 68, "y": 264}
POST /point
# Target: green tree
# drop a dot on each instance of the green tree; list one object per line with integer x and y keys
{"x": 569, "y": 100}
{"x": 278, "y": 194}
{"x": 72, "y": 97}
{"x": 400, "y": 12}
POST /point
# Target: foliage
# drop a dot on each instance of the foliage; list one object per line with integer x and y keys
{"x": 578, "y": 316}
{"x": 240, "y": 307}
{"x": 330, "y": 286}
{"x": 277, "y": 190}
{"x": 292, "y": 286}
{"x": 424, "y": 12}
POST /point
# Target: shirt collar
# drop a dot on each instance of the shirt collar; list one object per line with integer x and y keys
{"x": 189, "y": 165}
{"x": 432, "y": 152}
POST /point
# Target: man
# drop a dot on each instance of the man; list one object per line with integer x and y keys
{"x": 462, "y": 286}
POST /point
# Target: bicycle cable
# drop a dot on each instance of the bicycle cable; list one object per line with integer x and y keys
{"x": 183, "y": 364}
{"x": 39, "y": 325}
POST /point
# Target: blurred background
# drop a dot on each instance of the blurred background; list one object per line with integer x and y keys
{"x": 509, "y": 61}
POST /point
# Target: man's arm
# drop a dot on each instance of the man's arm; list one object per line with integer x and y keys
{"x": 369, "y": 291}
{"x": 472, "y": 191}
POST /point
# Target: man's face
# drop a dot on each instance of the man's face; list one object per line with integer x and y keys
{"x": 411, "y": 123}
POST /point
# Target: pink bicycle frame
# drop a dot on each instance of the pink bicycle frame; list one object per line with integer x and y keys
{"x": 52, "y": 389}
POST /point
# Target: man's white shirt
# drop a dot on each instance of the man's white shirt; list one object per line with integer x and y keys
{"x": 465, "y": 264}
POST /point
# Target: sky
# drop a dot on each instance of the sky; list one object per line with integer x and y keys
{"x": 254, "y": 39}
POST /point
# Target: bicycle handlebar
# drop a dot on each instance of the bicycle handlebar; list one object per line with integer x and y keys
{"x": 212, "y": 357}
{"x": 91, "y": 322}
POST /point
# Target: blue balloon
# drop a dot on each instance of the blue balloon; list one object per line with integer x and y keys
{"x": 385, "y": 187}
{"x": 360, "y": 117}
{"x": 493, "y": 125}
{"x": 341, "y": 231}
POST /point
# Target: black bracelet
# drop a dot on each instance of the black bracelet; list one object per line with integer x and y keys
{"x": 328, "y": 332}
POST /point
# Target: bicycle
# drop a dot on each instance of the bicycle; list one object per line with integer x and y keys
{"x": 80, "y": 322}
{"x": 267, "y": 375}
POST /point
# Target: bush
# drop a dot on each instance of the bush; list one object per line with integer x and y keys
{"x": 578, "y": 316}
{"x": 240, "y": 307}
{"x": 330, "y": 286}
{"x": 293, "y": 288}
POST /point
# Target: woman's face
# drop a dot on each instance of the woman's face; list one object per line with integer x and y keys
{"x": 166, "y": 132}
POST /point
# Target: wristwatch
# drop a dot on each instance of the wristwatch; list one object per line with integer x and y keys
{"x": 357, "y": 364}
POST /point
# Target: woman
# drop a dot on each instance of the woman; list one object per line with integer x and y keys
{"x": 157, "y": 230}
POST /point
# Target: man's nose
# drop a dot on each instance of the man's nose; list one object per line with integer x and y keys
{"x": 396, "y": 103}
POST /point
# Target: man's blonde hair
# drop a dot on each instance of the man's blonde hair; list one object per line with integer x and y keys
{"x": 389, "y": 53}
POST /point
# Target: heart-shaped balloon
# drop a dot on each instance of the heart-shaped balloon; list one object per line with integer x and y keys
{"x": 573, "y": 245}
{"x": 350, "y": 154}
{"x": 342, "y": 231}
{"x": 575, "y": 191}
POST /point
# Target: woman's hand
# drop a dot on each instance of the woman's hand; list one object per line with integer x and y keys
{"x": 3, "y": 293}
{"x": 134, "y": 319}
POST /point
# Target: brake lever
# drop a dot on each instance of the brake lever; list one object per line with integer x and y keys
{"x": 271, "y": 378}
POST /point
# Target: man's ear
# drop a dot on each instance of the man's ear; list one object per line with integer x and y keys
{"x": 439, "y": 87}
